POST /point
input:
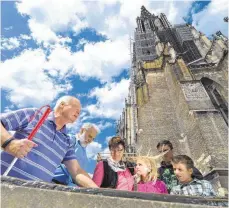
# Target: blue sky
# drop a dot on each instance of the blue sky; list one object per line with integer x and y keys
{"x": 196, "y": 7}
{"x": 81, "y": 48}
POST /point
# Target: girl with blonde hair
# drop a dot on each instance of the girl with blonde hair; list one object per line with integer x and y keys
{"x": 146, "y": 176}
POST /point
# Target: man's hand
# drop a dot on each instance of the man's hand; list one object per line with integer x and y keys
{"x": 20, "y": 148}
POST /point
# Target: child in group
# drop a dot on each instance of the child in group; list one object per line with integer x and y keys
{"x": 183, "y": 169}
{"x": 165, "y": 171}
{"x": 146, "y": 176}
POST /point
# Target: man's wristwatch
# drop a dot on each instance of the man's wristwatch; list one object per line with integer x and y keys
{"x": 6, "y": 143}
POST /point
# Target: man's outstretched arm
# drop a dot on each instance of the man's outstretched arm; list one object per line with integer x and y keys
{"x": 79, "y": 175}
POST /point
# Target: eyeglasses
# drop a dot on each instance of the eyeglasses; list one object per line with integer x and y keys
{"x": 116, "y": 150}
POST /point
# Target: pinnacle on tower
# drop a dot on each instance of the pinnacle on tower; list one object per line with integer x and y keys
{"x": 145, "y": 13}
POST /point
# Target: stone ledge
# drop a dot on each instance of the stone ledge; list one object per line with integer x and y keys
{"x": 21, "y": 197}
{"x": 220, "y": 171}
{"x": 205, "y": 110}
{"x": 20, "y": 193}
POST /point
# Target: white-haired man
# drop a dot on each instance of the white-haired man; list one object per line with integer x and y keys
{"x": 38, "y": 159}
{"x": 87, "y": 134}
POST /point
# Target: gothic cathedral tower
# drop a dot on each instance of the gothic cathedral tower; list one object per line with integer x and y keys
{"x": 178, "y": 92}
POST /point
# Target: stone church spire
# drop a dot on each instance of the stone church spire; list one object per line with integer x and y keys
{"x": 178, "y": 92}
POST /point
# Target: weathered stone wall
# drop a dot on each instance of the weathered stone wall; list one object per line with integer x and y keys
{"x": 214, "y": 134}
{"x": 179, "y": 109}
{"x": 189, "y": 129}
{"x": 157, "y": 117}
{"x": 195, "y": 95}
{"x": 218, "y": 74}
{"x": 16, "y": 193}
{"x": 202, "y": 127}
{"x": 21, "y": 197}
{"x": 224, "y": 65}
{"x": 202, "y": 42}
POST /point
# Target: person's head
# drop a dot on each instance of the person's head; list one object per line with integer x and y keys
{"x": 117, "y": 148}
{"x": 146, "y": 168}
{"x": 67, "y": 108}
{"x": 183, "y": 168}
{"x": 166, "y": 147}
{"x": 87, "y": 133}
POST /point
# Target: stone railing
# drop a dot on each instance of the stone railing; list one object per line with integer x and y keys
{"x": 17, "y": 193}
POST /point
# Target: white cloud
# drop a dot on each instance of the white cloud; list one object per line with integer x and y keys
{"x": 8, "y": 28}
{"x": 8, "y": 109}
{"x": 93, "y": 149}
{"x": 101, "y": 60}
{"x": 112, "y": 18}
{"x": 81, "y": 43}
{"x": 105, "y": 153}
{"x": 60, "y": 61}
{"x": 42, "y": 34}
{"x": 115, "y": 19}
{"x": 86, "y": 118}
{"x": 25, "y": 37}
{"x": 53, "y": 13}
{"x": 110, "y": 99}
{"x": 9, "y": 43}
{"x": 103, "y": 125}
{"x": 108, "y": 138}
{"x": 210, "y": 20}
{"x": 26, "y": 81}
{"x": 80, "y": 95}
{"x": 79, "y": 25}
{"x": 49, "y": 17}
{"x": 14, "y": 42}
{"x": 75, "y": 127}
{"x": 121, "y": 20}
